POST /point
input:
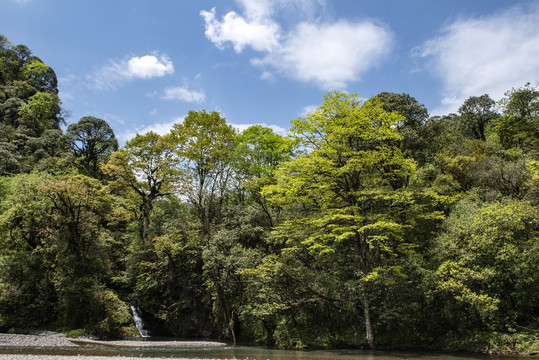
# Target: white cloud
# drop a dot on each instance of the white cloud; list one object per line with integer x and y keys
{"x": 490, "y": 55}
{"x": 184, "y": 94}
{"x": 331, "y": 54}
{"x": 328, "y": 54}
{"x": 117, "y": 72}
{"x": 277, "y": 129}
{"x": 260, "y": 34}
{"x": 149, "y": 66}
{"x": 308, "y": 109}
{"x": 267, "y": 75}
{"x": 158, "y": 128}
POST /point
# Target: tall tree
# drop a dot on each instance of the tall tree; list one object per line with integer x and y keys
{"x": 92, "y": 141}
{"x": 475, "y": 114}
{"x": 519, "y": 126}
{"x": 344, "y": 183}
{"x": 206, "y": 143}
{"x": 148, "y": 165}
{"x": 259, "y": 151}
{"x": 414, "y": 116}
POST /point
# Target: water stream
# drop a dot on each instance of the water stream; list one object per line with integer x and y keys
{"x": 138, "y": 321}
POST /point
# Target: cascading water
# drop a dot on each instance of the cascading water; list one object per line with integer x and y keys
{"x": 138, "y": 321}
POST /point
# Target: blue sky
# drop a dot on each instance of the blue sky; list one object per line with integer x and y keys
{"x": 142, "y": 65}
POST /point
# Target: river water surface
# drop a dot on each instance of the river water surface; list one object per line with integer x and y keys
{"x": 236, "y": 352}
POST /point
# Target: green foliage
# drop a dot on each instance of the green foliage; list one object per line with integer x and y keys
{"x": 54, "y": 254}
{"x": 488, "y": 263}
{"x": 29, "y": 111}
{"x": 92, "y": 142}
{"x": 411, "y": 126}
{"x": 41, "y": 76}
{"x": 475, "y": 115}
{"x": 519, "y": 124}
{"x": 206, "y": 145}
{"x": 367, "y": 225}
{"x": 147, "y": 166}
{"x": 345, "y": 182}
{"x": 258, "y": 153}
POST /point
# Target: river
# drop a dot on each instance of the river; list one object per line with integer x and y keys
{"x": 230, "y": 352}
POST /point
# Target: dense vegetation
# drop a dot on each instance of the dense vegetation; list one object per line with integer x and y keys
{"x": 370, "y": 224}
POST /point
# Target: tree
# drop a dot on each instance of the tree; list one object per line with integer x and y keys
{"x": 54, "y": 256}
{"x": 92, "y": 141}
{"x": 487, "y": 265}
{"x": 41, "y": 76}
{"x": 206, "y": 143}
{"x": 475, "y": 114}
{"x": 411, "y": 127}
{"x": 520, "y": 122}
{"x": 259, "y": 151}
{"x": 41, "y": 112}
{"x": 343, "y": 183}
{"x": 148, "y": 165}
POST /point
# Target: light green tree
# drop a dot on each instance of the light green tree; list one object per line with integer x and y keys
{"x": 259, "y": 151}
{"x": 148, "y": 165}
{"x": 487, "y": 273}
{"x": 343, "y": 185}
{"x": 206, "y": 144}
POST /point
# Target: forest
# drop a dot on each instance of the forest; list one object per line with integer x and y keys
{"x": 370, "y": 225}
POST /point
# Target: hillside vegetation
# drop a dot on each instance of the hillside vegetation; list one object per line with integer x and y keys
{"x": 371, "y": 224}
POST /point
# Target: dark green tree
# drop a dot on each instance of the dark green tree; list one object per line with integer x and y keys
{"x": 520, "y": 122}
{"x": 92, "y": 141}
{"x": 411, "y": 126}
{"x": 475, "y": 115}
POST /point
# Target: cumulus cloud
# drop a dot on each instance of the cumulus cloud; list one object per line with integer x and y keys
{"x": 117, "y": 72}
{"x": 490, "y": 55}
{"x": 158, "y": 128}
{"x": 330, "y": 54}
{"x": 184, "y": 94}
{"x": 260, "y": 34}
{"x": 149, "y": 66}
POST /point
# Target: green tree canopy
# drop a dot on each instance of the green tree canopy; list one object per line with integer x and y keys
{"x": 92, "y": 141}
{"x": 475, "y": 114}
{"x": 344, "y": 183}
{"x": 206, "y": 144}
{"x": 148, "y": 165}
{"x": 520, "y": 122}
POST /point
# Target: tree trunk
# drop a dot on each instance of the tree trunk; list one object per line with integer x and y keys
{"x": 368, "y": 326}
{"x": 146, "y": 209}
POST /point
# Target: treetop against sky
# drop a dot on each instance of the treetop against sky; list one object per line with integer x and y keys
{"x": 143, "y": 65}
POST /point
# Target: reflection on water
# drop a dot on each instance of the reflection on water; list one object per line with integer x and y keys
{"x": 238, "y": 352}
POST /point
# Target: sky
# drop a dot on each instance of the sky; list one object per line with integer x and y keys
{"x": 142, "y": 65}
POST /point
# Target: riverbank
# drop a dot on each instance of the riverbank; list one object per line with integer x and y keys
{"x": 36, "y": 339}
{"x": 66, "y": 357}
{"x": 48, "y": 345}
{"x": 55, "y": 339}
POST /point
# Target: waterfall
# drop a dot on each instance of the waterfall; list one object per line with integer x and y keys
{"x": 138, "y": 321}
